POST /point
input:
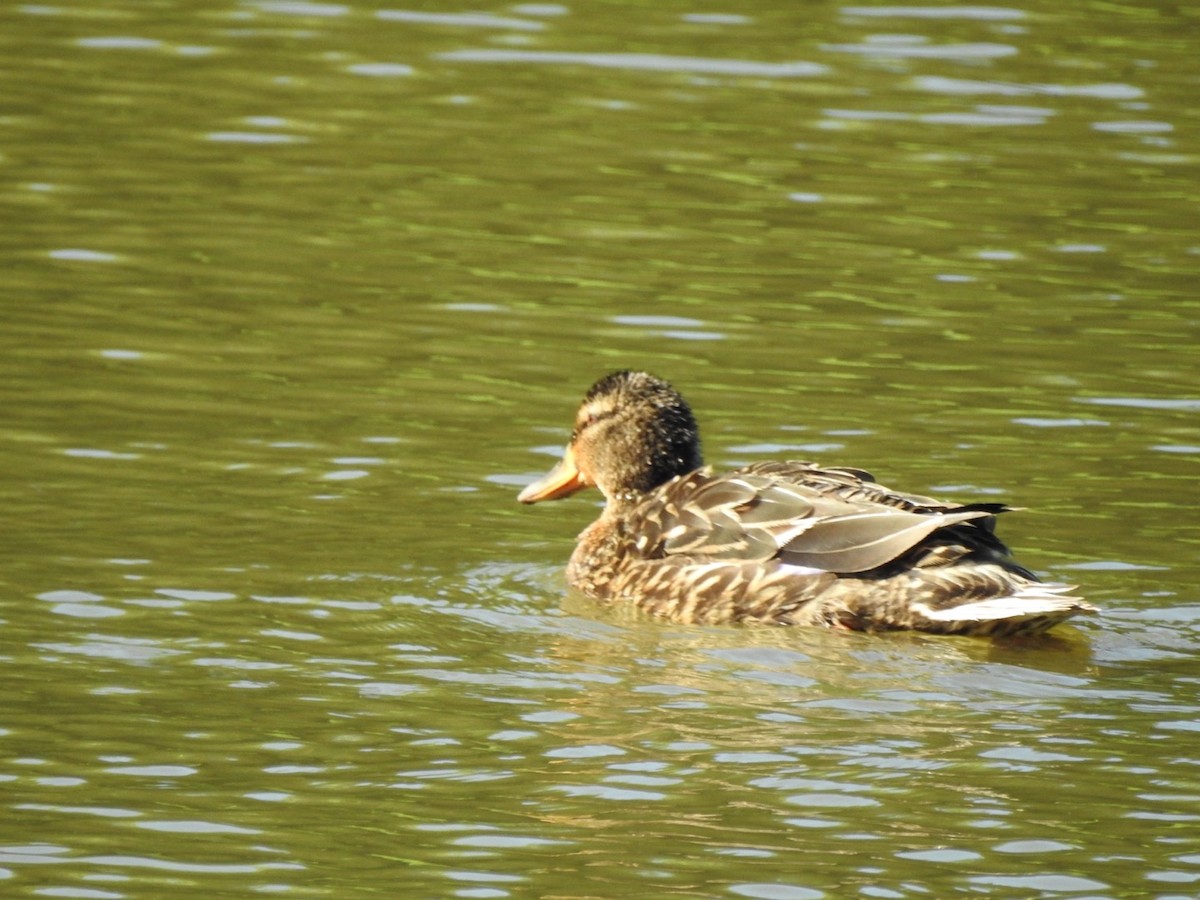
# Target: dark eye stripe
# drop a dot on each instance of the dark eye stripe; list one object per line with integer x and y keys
{"x": 592, "y": 419}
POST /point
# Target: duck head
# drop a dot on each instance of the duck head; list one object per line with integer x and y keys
{"x": 632, "y": 433}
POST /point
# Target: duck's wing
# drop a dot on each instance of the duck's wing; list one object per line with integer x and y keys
{"x": 820, "y": 519}
{"x": 856, "y": 485}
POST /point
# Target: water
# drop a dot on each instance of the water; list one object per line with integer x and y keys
{"x": 297, "y": 296}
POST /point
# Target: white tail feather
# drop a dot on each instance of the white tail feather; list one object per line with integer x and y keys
{"x": 1029, "y": 601}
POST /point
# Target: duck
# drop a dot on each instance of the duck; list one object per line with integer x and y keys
{"x": 777, "y": 543}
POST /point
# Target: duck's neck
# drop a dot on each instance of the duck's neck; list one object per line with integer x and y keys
{"x": 621, "y": 501}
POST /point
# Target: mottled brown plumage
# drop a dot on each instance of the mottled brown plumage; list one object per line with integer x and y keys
{"x": 780, "y": 543}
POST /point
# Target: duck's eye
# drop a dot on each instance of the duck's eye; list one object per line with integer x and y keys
{"x": 586, "y": 422}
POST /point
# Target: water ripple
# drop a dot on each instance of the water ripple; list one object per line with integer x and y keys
{"x": 976, "y": 13}
{"x": 907, "y": 49}
{"x": 459, "y": 20}
{"x": 651, "y": 62}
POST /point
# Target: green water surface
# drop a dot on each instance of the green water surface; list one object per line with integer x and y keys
{"x": 296, "y": 297}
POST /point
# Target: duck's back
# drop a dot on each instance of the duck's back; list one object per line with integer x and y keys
{"x": 836, "y": 520}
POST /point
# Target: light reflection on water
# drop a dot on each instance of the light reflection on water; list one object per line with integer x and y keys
{"x": 282, "y": 351}
{"x": 519, "y": 732}
{"x": 936, "y": 748}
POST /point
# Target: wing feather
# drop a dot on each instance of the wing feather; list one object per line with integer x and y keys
{"x": 831, "y": 519}
{"x": 863, "y": 541}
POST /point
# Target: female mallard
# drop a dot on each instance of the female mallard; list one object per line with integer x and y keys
{"x": 779, "y": 543}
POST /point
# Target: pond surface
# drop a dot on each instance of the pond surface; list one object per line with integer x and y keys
{"x": 298, "y": 295}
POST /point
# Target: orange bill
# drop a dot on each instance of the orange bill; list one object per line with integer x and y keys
{"x": 561, "y": 481}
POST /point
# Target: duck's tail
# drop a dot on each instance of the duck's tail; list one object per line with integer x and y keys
{"x": 1032, "y": 608}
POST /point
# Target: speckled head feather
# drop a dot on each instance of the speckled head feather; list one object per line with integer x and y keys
{"x": 633, "y": 433}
